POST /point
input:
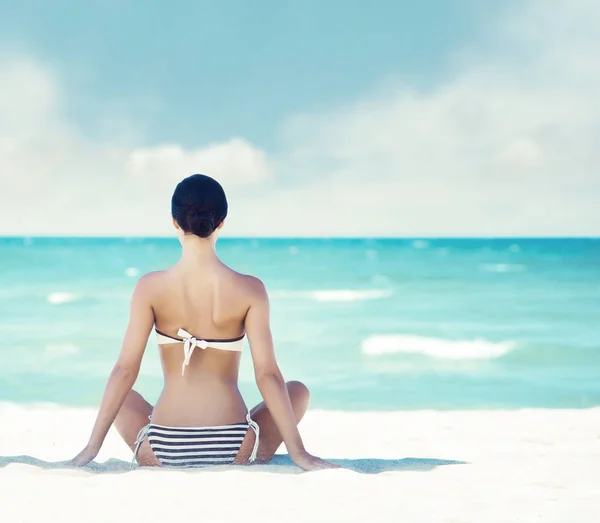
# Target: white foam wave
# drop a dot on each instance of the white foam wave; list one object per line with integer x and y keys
{"x": 350, "y": 294}
{"x": 61, "y": 348}
{"x": 333, "y": 295}
{"x": 58, "y": 298}
{"x": 478, "y": 349}
{"x": 132, "y": 272}
{"x": 502, "y": 267}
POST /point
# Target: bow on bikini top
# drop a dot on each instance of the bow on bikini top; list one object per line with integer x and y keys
{"x": 190, "y": 342}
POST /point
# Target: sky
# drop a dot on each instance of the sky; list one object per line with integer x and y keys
{"x": 320, "y": 118}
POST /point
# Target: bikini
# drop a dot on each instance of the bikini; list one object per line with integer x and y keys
{"x": 197, "y": 446}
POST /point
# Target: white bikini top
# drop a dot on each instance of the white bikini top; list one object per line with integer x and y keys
{"x": 190, "y": 342}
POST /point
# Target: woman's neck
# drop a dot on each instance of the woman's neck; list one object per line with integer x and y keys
{"x": 198, "y": 251}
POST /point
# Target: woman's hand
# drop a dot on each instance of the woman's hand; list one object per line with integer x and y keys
{"x": 84, "y": 457}
{"x": 307, "y": 461}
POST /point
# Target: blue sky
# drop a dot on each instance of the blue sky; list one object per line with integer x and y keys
{"x": 424, "y": 118}
{"x": 198, "y": 72}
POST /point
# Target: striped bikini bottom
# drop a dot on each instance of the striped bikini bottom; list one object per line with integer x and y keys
{"x": 197, "y": 446}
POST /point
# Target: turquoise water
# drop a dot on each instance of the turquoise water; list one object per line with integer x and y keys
{"x": 367, "y": 324}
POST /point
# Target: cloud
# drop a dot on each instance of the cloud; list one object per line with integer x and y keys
{"x": 55, "y": 180}
{"x": 233, "y": 162}
{"x": 29, "y": 96}
{"x": 505, "y": 144}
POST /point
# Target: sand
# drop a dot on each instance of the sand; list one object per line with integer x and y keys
{"x": 424, "y": 466}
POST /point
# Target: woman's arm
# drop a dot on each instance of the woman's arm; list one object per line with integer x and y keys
{"x": 270, "y": 380}
{"x": 125, "y": 371}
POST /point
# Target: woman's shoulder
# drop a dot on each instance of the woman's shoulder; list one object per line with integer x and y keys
{"x": 248, "y": 284}
{"x": 149, "y": 282}
{"x": 151, "y": 278}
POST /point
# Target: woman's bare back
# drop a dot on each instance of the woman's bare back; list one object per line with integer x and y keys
{"x": 209, "y": 302}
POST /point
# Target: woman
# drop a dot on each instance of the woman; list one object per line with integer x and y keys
{"x": 201, "y": 310}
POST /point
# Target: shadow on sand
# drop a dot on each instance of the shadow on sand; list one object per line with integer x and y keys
{"x": 280, "y": 463}
{"x": 377, "y": 465}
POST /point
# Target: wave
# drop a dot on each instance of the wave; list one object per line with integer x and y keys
{"x": 478, "y": 349}
{"x": 502, "y": 267}
{"x": 350, "y": 294}
{"x": 327, "y": 295}
{"x": 58, "y": 298}
{"x": 61, "y": 349}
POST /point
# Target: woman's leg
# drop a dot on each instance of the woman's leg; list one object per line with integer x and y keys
{"x": 270, "y": 439}
{"x": 129, "y": 421}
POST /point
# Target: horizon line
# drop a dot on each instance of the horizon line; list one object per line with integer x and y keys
{"x": 278, "y": 237}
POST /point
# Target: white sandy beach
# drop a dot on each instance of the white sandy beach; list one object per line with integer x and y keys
{"x": 426, "y": 466}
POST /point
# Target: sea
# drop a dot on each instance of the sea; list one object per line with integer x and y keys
{"x": 367, "y": 324}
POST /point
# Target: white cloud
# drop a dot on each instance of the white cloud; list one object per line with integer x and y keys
{"x": 29, "y": 96}
{"x": 53, "y": 180}
{"x": 233, "y": 162}
{"x": 507, "y": 145}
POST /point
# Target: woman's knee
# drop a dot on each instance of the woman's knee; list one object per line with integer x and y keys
{"x": 132, "y": 416}
{"x": 133, "y": 398}
{"x": 133, "y": 404}
{"x": 299, "y": 394}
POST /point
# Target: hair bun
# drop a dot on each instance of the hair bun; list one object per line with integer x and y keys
{"x": 201, "y": 222}
{"x": 199, "y": 205}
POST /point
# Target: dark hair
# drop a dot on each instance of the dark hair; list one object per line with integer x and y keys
{"x": 199, "y": 205}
